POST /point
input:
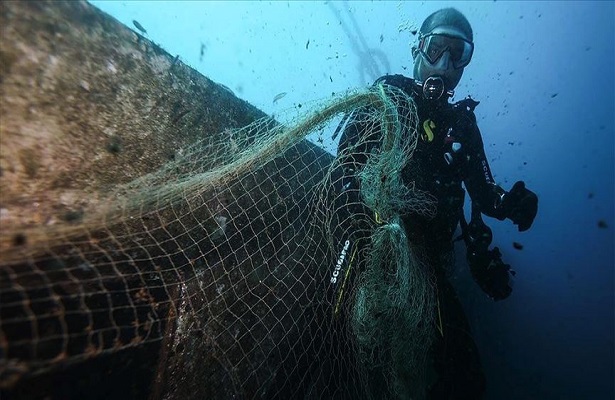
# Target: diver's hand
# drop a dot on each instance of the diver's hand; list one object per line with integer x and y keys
{"x": 521, "y": 205}
{"x": 479, "y": 236}
{"x": 492, "y": 275}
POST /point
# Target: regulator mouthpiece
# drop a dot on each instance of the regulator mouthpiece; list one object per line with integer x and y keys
{"x": 433, "y": 88}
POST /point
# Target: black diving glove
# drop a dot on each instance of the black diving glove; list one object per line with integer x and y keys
{"x": 491, "y": 274}
{"x": 521, "y": 206}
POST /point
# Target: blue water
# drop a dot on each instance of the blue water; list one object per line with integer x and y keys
{"x": 544, "y": 73}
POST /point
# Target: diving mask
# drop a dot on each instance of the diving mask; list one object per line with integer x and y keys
{"x": 432, "y": 46}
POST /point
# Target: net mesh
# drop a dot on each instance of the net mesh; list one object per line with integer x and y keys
{"x": 227, "y": 255}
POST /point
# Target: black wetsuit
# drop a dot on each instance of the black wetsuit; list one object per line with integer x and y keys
{"x": 449, "y": 153}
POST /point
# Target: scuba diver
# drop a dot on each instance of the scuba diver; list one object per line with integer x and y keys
{"x": 449, "y": 153}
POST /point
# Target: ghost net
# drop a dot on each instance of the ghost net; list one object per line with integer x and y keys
{"x": 246, "y": 266}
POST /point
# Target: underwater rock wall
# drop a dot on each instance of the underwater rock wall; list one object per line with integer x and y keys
{"x": 88, "y": 104}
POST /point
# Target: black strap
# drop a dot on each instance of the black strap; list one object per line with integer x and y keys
{"x": 341, "y": 125}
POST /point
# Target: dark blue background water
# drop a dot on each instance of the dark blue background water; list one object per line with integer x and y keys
{"x": 544, "y": 73}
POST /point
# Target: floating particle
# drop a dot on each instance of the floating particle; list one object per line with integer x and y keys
{"x": 602, "y": 224}
{"x": 413, "y": 32}
{"x": 554, "y": 95}
{"x": 381, "y": 38}
{"x": 517, "y": 245}
{"x": 590, "y": 195}
{"x": 307, "y": 44}
{"x": 139, "y": 26}
{"x": 278, "y": 97}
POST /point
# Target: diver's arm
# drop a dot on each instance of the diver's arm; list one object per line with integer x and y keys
{"x": 360, "y": 136}
{"x": 486, "y": 265}
{"x": 520, "y": 205}
{"x": 351, "y": 152}
{"x": 479, "y": 180}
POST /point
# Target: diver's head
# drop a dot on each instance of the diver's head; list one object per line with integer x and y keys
{"x": 445, "y": 48}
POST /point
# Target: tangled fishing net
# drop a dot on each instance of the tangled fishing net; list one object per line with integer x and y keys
{"x": 225, "y": 258}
